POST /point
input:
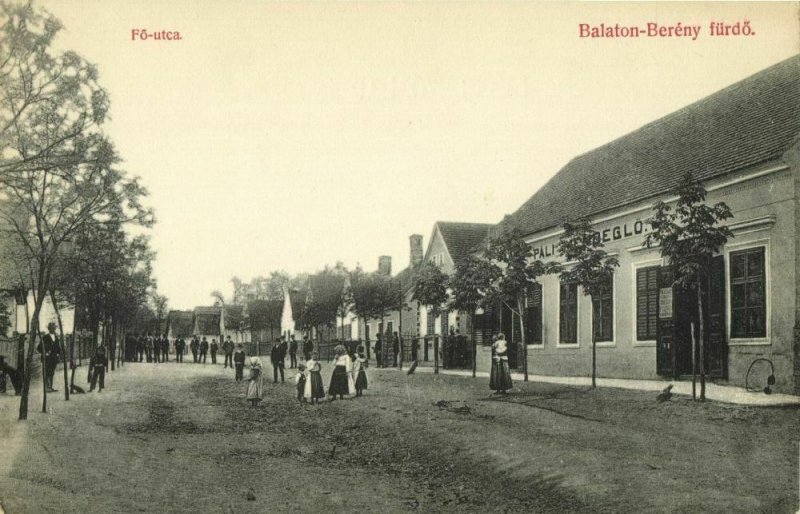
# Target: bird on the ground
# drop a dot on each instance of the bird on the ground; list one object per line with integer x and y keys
{"x": 665, "y": 395}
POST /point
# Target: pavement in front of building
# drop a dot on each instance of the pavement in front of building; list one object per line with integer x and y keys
{"x": 725, "y": 394}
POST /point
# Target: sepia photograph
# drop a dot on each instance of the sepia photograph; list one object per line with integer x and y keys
{"x": 406, "y": 256}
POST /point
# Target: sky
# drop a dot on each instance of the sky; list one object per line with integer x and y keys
{"x": 287, "y": 136}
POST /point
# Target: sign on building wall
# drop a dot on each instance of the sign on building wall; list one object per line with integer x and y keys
{"x": 665, "y": 303}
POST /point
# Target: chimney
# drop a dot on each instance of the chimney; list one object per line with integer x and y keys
{"x": 385, "y": 265}
{"x": 416, "y": 250}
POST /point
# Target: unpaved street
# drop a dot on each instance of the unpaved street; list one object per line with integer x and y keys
{"x": 180, "y": 438}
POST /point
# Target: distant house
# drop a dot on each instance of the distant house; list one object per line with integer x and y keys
{"x": 208, "y": 322}
{"x": 264, "y": 319}
{"x": 234, "y": 323}
{"x": 449, "y": 243}
{"x": 405, "y": 321}
{"x": 180, "y": 324}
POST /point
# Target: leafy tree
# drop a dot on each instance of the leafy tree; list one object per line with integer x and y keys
{"x": 57, "y": 169}
{"x": 5, "y": 316}
{"x": 431, "y": 290}
{"x": 430, "y": 287}
{"x": 511, "y": 272}
{"x": 468, "y": 288}
{"x": 593, "y": 270}
{"x": 217, "y": 295}
{"x": 328, "y": 297}
{"x": 689, "y": 236}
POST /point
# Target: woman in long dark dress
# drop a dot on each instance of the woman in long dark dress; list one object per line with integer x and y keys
{"x": 359, "y": 372}
{"x": 313, "y": 388}
{"x": 500, "y": 376}
{"x": 341, "y": 380}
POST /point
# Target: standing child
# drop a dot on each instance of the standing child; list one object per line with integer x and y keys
{"x": 238, "y": 362}
{"x": 314, "y": 389}
{"x": 359, "y": 371}
{"x": 255, "y": 389}
{"x": 300, "y": 381}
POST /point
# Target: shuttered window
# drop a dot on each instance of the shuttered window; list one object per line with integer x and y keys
{"x": 603, "y": 313}
{"x": 646, "y": 303}
{"x": 748, "y": 295}
{"x": 431, "y": 324}
{"x": 568, "y": 314}
{"x": 533, "y": 314}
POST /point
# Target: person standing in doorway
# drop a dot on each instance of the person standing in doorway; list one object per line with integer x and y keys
{"x": 227, "y": 347}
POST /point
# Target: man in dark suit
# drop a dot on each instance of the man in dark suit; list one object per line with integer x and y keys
{"x": 51, "y": 351}
{"x": 164, "y": 348}
{"x": 194, "y": 346}
{"x": 227, "y": 347}
{"x": 98, "y": 365}
{"x": 308, "y": 347}
{"x": 203, "y": 351}
{"x": 180, "y": 347}
{"x": 292, "y": 352}
{"x": 277, "y": 356}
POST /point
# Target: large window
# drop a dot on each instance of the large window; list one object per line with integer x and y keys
{"x": 603, "y": 313}
{"x": 748, "y": 294}
{"x": 568, "y": 314}
{"x": 646, "y": 303}
{"x": 533, "y": 314}
{"x": 431, "y": 323}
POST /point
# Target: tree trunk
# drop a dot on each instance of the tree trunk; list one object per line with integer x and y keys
{"x": 435, "y": 350}
{"x": 702, "y": 343}
{"x": 521, "y": 313}
{"x": 694, "y": 362}
{"x": 594, "y": 360}
{"x": 63, "y": 348}
{"x": 26, "y": 383}
{"x": 34, "y": 330}
{"x": 471, "y": 322}
{"x": 112, "y": 341}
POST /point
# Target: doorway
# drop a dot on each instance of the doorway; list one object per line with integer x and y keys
{"x": 677, "y": 313}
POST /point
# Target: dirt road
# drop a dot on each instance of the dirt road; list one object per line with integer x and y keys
{"x": 180, "y": 438}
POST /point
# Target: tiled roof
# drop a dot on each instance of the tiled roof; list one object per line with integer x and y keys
{"x": 751, "y": 122}
{"x": 463, "y": 238}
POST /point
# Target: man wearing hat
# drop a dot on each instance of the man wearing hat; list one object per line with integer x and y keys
{"x": 51, "y": 351}
{"x": 277, "y": 356}
{"x": 98, "y": 364}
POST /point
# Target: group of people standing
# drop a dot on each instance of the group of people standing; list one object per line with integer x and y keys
{"x": 155, "y": 349}
{"x": 349, "y": 375}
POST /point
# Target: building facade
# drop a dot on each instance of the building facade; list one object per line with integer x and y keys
{"x": 742, "y": 142}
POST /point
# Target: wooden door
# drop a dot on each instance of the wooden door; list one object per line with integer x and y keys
{"x": 665, "y": 338}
